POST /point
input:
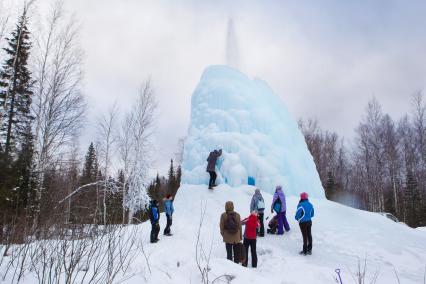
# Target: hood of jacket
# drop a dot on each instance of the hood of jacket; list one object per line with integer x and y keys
{"x": 229, "y": 206}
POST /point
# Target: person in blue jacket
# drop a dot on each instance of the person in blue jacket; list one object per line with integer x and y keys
{"x": 154, "y": 217}
{"x": 304, "y": 214}
{"x": 168, "y": 208}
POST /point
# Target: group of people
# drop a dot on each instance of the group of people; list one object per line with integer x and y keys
{"x": 238, "y": 244}
{"x": 154, "y": 217}
{"x": 231, "y": 225}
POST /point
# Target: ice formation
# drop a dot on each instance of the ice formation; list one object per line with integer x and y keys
{"x": 259, "y": 138}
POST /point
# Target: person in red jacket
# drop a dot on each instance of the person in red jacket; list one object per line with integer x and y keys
{"x": 250, "y": 234}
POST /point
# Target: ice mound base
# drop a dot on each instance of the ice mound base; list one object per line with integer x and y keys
{"x": 259, "y": 138}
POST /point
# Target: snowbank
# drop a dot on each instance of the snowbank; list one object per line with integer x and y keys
{"x": 251, "y": 124}
{"x": 341, "y": 236}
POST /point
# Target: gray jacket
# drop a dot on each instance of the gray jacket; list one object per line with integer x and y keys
{"x": 254, "y": 201}
{"x": 211, "y": 160}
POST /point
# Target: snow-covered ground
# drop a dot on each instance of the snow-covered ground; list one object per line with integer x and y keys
{"x": 341, "y": 236}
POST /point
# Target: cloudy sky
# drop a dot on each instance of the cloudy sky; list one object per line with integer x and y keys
{"x": 325, "y": 58}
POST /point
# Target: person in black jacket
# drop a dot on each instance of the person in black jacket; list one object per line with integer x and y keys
{"x": 154, "y": 217}
{"x": 211, "y": 167}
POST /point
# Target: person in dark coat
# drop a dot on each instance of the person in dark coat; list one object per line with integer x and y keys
{"x": 211, "y": 167}
{"x": 304, "y": 214}
{"x": 168, "y": 208}
{"x": 154, "y": 217}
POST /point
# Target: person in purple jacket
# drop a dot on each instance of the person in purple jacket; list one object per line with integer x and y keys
{"x": 279, "y": 206}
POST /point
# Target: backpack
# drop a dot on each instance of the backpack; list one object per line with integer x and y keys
{"x": 240, "y": 253}
{"x": 231, "y": 224}
{"x": 260, "y": 204}
{"x": 277, "y": 205}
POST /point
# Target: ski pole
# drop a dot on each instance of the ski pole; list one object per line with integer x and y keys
{"x": 338, "y": 274}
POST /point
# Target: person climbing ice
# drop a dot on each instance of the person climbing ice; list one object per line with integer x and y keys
{"x": 304, "y": 214}
{"x": 211, "y": 167}
{"x": 279, "y": 206}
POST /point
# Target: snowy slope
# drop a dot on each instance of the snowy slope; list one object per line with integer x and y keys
{"x": 341, "y": 236}
{"x": 259, "y": 137}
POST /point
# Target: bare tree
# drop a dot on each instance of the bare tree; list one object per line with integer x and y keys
{"x": 180, "y": 149}
{"x": 107, "y": 140}
{"x": 59, "y": 105}
{"x": 141, "y": 121}
{"x": 4, "y": 19}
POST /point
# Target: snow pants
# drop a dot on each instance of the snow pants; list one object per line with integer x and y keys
{"x": 155, "y": 229}
{"x": 262, "y": 226}
{"x": 252, "y": 244}
{"x": 305, "y": 227}
{"x": 213, "y": 177}
{"x": 169, "y": 224}
{"x": 282, "y": 222}
{"x": 231, "y": 250}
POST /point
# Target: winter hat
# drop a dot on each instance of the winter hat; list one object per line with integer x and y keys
{"x": 168, "y": 196}
{"x": 257, "y": 191}
{"x": 304, "y": 196}
{"x": 278, "y": 187}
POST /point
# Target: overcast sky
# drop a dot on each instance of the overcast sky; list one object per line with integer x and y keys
{"x": 325, "y": 59}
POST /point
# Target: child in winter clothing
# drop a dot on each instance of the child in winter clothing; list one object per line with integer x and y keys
{"x": 168, "y": 208}
{"x": 231, "y": 230}
{"x": 273, "y": 225}
{"x": 154, "y": 217}
{"x": 258, "y": 204}
{"x": 279, "y": 206}
{"x": 250, "y": 234}
{"x": 304, "y": 214}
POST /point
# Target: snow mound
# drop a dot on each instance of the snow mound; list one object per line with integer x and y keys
{"x": 341, "y": 236}
{"x": 251, "y": 124}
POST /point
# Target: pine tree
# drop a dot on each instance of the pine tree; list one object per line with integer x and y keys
{"x": 178, "y": 176}
{"x": 171, "y": 179}
{"x": 16, "y": 87}
{"x": 26, "y": 182}
{"x": 90, "y": 169}
{"x": 412, "y": 201}
{"x": 330, "y": 187}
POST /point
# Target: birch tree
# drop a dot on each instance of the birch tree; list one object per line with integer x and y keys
{"x": 141, "y": 121}
{"x": 59, "y": 104}
{"x": 107, "y": 141}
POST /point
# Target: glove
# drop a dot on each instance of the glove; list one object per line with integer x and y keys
{"x": 272, "y": 210}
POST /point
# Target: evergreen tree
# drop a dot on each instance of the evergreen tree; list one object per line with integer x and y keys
{"x": 413, "y": 206}
{"x": 26, "y": 182}
{"x": 16, "y": 87}
{"x": 171, "y": 179}
{"x": 330, "y": 187}
{"x": 178, "y": 176}
{"x": 90, "y": 169}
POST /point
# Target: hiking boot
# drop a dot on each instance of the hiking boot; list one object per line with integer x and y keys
{"x": 210, "y": 187}
{"x": 154, "y": 241}
{"x": 302, "y": 253}
{"x": 309, "y": 252}
{"x": 214, "y": 185}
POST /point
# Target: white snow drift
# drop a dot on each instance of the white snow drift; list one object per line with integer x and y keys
{"x": 251, "y": 124}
